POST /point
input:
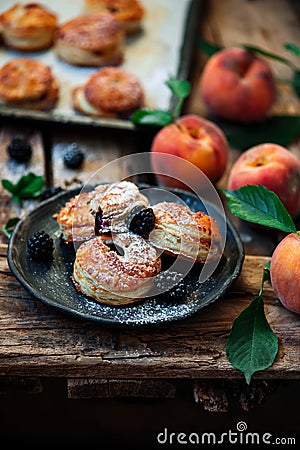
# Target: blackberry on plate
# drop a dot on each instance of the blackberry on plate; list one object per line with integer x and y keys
{"x": 50, "y": 192}
{"x": 19, "y": 149}
{"x": 40, "y": 246}
{"x": 141, "y": 220}
{"x": 73, "y": 156}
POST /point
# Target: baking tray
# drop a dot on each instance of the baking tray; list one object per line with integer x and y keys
{"x": 163, "y": 49}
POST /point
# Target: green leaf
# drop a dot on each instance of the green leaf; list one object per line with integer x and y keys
{"x": 9, "y": 226}
{"x": 180, "y": 88}
{"x": 280, "y": 130}
{"x": 256, "y": 203}
{"x": 252, "y": 345}
{"x": 293, "y": 48}
{"x": 279, "y": 58}
{"x": 207, "y": 47}
{"x": 151, "y": 117}
{"x": 9, "y": 186}
{"x": 30, "y": 185}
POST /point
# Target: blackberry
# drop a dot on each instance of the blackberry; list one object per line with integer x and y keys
{"x": 40, "y": 246}
{"x": 141, "y": 220}
{"x": 73, "y": 157}
{"x": 19, "y": 149}
{"x": 50, "y": 192}
{"x": 101, "y": 225}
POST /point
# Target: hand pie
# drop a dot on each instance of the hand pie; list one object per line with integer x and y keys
{"x": 110, "y": 92}
{"x": 112, "y": 278}
{"x": 91, "y": 40}
{"x": 130, "y": 13}
{"x": 100, "y": 211}
{"x": 182, "y": 233}
{"x": 28, "y": 84}
{"x": 28, "y": 27}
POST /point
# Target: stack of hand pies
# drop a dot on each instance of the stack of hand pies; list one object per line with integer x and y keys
{"x": 121, "y": 238}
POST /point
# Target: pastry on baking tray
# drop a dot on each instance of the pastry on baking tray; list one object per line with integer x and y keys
{"x": 129, "y": 12}
{"x": 113, "y": 278}
{"x": 29, "y": 84}
{"x": 99, "y": 211}
{"x": 91, "y": 40}
{"x": 110, "y": 92}
{"x": 28, "y": 27}
{"x": 181, "y": 232}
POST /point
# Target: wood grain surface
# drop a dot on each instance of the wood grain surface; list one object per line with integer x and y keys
{"x": 37, "y": 340}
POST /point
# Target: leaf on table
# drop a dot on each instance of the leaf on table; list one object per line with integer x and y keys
{"x": 9, "y": 226}
{"x": 256, "y": 203}
{"x": 252, "y": 345}
{"x": 28, "y": 186}
{"x": 9, "y": 186}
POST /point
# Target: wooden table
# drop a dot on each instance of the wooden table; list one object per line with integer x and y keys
{"x": 39, "y": 343}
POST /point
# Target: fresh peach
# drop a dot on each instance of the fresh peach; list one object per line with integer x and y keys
{"x": 285, "y": 272}
{"x": 272, "y": 166}
{"x": 193, "y": 139}
{"x": 237, "y": 85}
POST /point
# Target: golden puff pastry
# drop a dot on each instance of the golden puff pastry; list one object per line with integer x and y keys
{"x": 28, "y": 27}
{"x": 112, "y": 278}
{"x": 91, "y": 40}
{"x": 182, "y": 233}
{"x": 28, "y": 84}
{"x": 110, "y": 92}
{"x": 110, "y": 203}
{"x": 130, "y": 13}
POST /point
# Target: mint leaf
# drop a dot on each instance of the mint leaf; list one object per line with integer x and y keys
{"x": 9, "y": 226}
{"x": 252, "y": 345}
{"x": 28, "y": 186}
{"x": 151, "y": 117}
{"x": 256, "y": 203}
{"x": 9, "y": 186}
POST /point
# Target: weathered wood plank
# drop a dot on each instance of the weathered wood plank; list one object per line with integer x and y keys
{"x": 100, "y": 147}
{"x": 13, "y": 170}
{"x": 102, "y": 388}
{"x": 36, "y": 340}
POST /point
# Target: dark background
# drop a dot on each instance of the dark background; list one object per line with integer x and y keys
{"x": 49, "y": 418}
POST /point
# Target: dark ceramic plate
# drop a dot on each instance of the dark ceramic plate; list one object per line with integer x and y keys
{"x": 51, "y": 283}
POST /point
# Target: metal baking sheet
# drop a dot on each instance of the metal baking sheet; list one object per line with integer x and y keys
{"x": 163, "y": 49}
